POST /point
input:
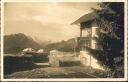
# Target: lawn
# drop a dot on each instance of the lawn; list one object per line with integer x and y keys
{"x": 25, "y": 67}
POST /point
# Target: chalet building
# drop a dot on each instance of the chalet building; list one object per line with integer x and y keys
{"x": 87, "y": 25}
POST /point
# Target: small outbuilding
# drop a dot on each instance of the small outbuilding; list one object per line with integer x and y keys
{"x": 28, "y": 51}
{"x": 40, "y": 51}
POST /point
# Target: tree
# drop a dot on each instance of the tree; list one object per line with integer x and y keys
{"x": 111, "y": 36}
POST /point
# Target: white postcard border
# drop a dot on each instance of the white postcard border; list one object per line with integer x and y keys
{"x": 64, "y": 79}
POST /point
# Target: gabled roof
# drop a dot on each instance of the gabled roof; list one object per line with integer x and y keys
{"x": 90, "y": 16}
{"x": 86, "y": 17}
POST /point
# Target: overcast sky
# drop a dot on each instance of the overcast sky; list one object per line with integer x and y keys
{"x": 45, "y": 21}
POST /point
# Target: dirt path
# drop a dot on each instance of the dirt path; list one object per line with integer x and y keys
{"x": 54, "y": 72}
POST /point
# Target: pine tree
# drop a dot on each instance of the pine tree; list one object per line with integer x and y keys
{"x": 111, "y": 37}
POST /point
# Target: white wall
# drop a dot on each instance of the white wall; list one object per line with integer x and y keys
{"x": 93, "y": 41}
{"x": 87, "y": 61}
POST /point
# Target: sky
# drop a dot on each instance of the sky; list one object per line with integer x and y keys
{"x": 45, "y": 21}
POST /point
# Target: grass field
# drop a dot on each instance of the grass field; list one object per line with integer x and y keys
{"x": 28, "y": 67}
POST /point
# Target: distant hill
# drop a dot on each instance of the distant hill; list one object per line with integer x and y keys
{"x": 70, "y": 45}
{"x": 66, "y": 46}
{"x": 42, "y": 42}
{"x": 15, "y": 43}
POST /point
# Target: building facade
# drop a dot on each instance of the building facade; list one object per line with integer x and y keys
{"x": 88, "y": 25}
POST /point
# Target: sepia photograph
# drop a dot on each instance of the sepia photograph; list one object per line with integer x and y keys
{"x": 64, "y": 41}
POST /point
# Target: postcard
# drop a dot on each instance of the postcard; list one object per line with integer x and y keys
{"x": 61, "y": 40}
